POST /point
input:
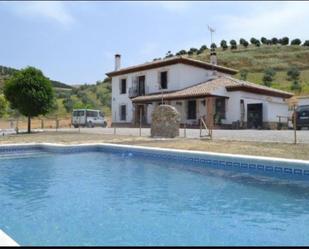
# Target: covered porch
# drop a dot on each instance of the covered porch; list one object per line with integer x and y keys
{"x": 212, "y": 109}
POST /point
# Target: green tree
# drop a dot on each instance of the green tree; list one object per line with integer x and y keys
{"x": 293, "y": 73}
{"x": 284, "y": 41}
{"x": 268, "y": 76}
{"x": 213, "y": 45}
{"x": 253, "y": 41}
{"x": 243, "y": 74}
{"x": 223, "y": 44}
{"x": 306, "y": 43}
{"x": 257, "y": 43}
{"x": 169, "y": 54}
{"x": 3, "y": 105}
{"x": 233, "y": 44}
{"x": 181, "y": 52}
{"x": 274, "y": 40}
{"x": 243, "y": 42}
{"x": 296, "y": 42}
{"x": 192, "y": 51}
{"x": 264, "y": 40}
{"x": 68, "y": 104}
{"x": 30, "y": 92}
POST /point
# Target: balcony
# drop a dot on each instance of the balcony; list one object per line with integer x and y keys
{"x": 138, "y": 91}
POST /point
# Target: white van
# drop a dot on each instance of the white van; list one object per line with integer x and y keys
{"x": 88, "y": 118}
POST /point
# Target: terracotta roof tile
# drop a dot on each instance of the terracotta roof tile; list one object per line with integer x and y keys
{"x": 207, "y": 89}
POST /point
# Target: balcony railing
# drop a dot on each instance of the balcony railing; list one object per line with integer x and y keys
{"x": 138, "y": 91}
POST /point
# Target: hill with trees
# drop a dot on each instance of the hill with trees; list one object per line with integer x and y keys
{"x": 262, "y": 61}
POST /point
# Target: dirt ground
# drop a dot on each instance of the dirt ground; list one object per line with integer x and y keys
{"x": 299, "y": 151}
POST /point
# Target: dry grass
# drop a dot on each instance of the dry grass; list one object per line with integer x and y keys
{"x": 299, "y": 151}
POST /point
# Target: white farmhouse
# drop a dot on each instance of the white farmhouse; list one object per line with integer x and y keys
{"x": 198, "y": 90}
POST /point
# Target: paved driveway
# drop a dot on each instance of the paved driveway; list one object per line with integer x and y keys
{"x": 284, "y": 136}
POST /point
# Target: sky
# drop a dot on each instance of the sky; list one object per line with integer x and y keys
{"x": 75, "y": 42}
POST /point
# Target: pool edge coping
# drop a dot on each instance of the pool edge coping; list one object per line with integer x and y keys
{"x": 148, "y": 148}
{"x": 6, "y": 240}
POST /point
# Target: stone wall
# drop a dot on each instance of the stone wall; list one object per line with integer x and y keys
{"x": 165, "y": 122}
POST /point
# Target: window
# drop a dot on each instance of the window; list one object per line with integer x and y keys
{"x": 123, "y": 112}
{"x": 92, "y": 114}
{"x": 78, "y": 113}
{"x": 123, "y": 86}
{"x": 163, "y": 80}
{"x": 191, "y": 109}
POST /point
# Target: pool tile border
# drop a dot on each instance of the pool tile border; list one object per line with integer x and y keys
{"x": 256, "y": 165}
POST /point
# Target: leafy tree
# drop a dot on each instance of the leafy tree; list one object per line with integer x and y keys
{"x": 268, "y": 76}
{"x": 245, "y": 44}
{"x": 3, "y": 105}
{"x": 203, "y": 47}
{"x": 257, "y": 43}
{"x": 284, "y": 41}
{"x": 268, "y": 42}
{"x": 68, "y": 104}
{"x": 253, "y": 40}
{"x": 274, "y": 40}
{"x": 293, "y": 74}
{"x": 169, "y": 54}
{"x": 192, "y": 51}
{"x": 233, "y": 44}
{"x": 181, "y": 52}
{"x": 213, "y": 45}
{"x": 30, "y": 92}
{"x": 223, "y": 44}
{"x": 306, "y": 43}
{"x": 296, "y": 42}
{"x": 243, "y": 74}
{"x": 264, "y": 40}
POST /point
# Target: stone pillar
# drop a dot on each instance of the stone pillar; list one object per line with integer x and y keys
{"x": 165, "y": 122}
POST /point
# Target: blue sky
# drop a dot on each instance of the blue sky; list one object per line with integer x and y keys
{"x": 75, "y": 42}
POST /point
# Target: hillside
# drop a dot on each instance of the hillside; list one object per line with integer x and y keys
{"x": 256, "y": 59}
{"x": 6, "y": 72}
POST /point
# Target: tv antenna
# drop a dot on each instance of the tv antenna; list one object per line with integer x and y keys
{"x": 211, "y": 33}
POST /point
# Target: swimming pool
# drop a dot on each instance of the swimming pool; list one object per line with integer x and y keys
{"x": 124, "y": 196}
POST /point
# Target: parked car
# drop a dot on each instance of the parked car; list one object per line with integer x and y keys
{"x": 302, "y": 116}
{"x": 88, "y": 118}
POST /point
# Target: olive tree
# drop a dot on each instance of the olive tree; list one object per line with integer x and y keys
{"x": 30, "y": 92}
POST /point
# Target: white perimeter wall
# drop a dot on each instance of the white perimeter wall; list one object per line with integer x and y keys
{"x": 272, "y": 106}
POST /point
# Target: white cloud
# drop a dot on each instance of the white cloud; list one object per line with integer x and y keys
{"x": 280, "y": 19}
{"x": 53, "y": 10}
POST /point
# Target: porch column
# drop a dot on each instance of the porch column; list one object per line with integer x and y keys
{"x": 209, "y": 112}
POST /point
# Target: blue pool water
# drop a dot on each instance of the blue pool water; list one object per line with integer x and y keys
{"x": 96, "y": 198}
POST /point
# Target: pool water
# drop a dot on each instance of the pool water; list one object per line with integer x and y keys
{"x": 96, "y": 198}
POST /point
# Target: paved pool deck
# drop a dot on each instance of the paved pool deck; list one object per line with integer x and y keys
{"x": 6, "y": 240}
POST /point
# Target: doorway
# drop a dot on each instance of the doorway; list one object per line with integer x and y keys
{"x": 255, "y": 116}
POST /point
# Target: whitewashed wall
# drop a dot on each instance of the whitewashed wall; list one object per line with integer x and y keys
{"x": 179, "y": 76}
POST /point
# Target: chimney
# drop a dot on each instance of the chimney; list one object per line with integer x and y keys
{"x": 213, "y": 56}
{"x": 117, "y": 62}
